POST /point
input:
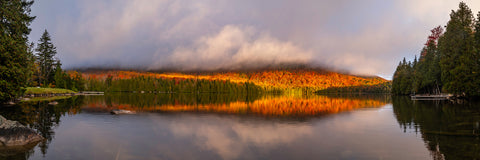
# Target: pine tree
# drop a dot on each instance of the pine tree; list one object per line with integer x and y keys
{"x": 59, "y": 76}
{"x": 15, "y": 20}
{"x": 46, "y": 52}
{"x": 458, "y": 57}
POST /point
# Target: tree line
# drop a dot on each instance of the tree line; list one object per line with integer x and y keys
{"x": 166, "y": 85}
{"x": 449, "y": 61}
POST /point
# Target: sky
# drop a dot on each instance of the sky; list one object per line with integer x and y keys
{"x": 367, "y": 37}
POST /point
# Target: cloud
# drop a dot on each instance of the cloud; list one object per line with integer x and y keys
{"x": 235, "y": 48}
{"x": 364, "y": 37}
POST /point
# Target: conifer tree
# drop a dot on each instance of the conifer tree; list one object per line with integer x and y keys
{"x": 46, "y": 52}
{"x": 403, "y": 78}
{"x": 458, "y": 57}
{"x": 15, "y": 20}
{"x": 59, "y": 76}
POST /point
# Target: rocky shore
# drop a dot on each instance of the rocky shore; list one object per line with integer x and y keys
{"x": 12, "y": 133}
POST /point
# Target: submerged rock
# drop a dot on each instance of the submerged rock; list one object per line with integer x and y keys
{"x": 12, "y": 133}
{"x": 17, "y": 152}
{"x": 122, "y": 111}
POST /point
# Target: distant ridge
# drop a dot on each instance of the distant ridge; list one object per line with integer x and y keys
{"x": 305, "y": 79}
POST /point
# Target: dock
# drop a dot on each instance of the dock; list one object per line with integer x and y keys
{"x": 431, "y": 97}
{"x": 90, "y": 93}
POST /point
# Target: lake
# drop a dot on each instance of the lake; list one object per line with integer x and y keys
{"x": 223, "y": 126}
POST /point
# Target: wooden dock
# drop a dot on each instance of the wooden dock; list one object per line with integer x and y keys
{"x": 90, "y": 93}
{"x": 431, "y": 97}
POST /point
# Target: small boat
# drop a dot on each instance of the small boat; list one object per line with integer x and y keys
{"x": 122, "y": 111}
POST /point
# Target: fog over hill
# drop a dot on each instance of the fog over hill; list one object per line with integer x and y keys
{"x": 362, "y": 37}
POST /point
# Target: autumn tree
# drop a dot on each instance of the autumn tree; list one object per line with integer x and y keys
{"x": 46, "y": 52}
{"x": 427, "y": 72}
{"x": 15, "y": 20}
{"x": 459, "y": 59}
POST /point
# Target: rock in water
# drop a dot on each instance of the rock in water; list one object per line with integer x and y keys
{"x": 12, "y": 133}
{"x": 122, "y": 111}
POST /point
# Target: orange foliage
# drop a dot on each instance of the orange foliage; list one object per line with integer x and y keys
{"x": 276, "y": 106}
{"x": 278, "y": 79}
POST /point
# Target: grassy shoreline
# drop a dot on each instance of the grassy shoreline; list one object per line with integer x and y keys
{"x": 35, "y": 90}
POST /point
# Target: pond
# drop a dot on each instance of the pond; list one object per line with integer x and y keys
{"x": 222, "y": 126}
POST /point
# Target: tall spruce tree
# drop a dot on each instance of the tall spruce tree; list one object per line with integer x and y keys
{"x": 46, "y": 52}
{"x": 459, "y": 57}
{"x": 15, "y": 20}
{"x": 477, "y": 32}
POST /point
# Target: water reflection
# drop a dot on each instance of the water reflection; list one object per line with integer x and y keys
{"x": 230, "y": 142}
{"x": 267, "y": 105}
{"x": 204, "y": 126}
{"x": 41, "y": 117}
{"x": 450, "y": 131}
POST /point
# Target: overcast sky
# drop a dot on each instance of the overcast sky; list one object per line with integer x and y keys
{"x": 366, "y": 37}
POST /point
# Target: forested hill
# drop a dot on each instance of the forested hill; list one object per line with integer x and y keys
{"x": 449, "y": 61}
{"x": 299, "y": 79}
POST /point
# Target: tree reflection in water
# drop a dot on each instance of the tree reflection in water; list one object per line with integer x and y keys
{"x": 266, "y": 105}
{"x": 44, "y": 118}
{"x": 40, "y": 116}
{"x": 450, "y": 131}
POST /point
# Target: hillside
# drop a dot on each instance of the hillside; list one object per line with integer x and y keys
{"x": 270, "y": 80}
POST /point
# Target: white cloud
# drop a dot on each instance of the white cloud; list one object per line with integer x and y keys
{"x": 235, "y": 48}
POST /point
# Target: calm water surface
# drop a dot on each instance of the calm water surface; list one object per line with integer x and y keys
{"x": 241, "y": 127}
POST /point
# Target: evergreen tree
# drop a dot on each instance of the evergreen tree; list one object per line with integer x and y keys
{"x": 458, "y": 58}
{"x": 477, "y": 32}
{"x": 14, "y": 56}
{"x": 32, "y": 67}
{"x": 477, "y": 47}
{"x": 60, "y": 76}
{"x": 403, "y": 78}
{"x": 427, "y": 73}
{"x": 46, "y": 52}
